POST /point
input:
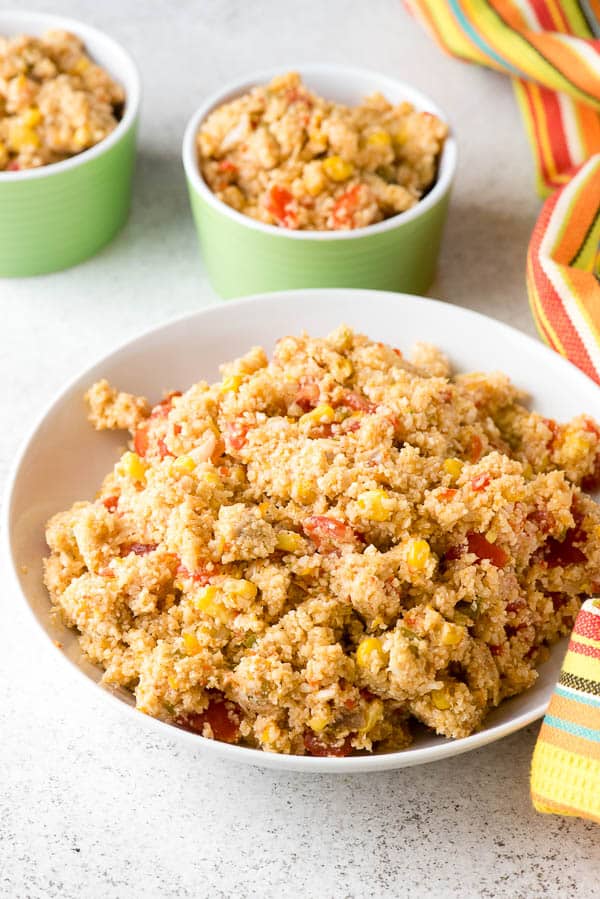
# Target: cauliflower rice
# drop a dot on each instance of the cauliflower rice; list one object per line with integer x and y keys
{"x": 54, "y": 101}
{"x": 316, "y": 552}
{"x": 287, "y": 157}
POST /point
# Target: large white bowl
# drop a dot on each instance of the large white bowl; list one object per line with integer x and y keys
{"x": 63, "y": 459}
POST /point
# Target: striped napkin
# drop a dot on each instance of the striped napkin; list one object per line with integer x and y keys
{"x": 551, "y": 50}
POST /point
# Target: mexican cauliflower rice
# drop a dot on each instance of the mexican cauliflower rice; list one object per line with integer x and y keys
{"x": 315, "y": 552}
{"x": 287, "y": 157}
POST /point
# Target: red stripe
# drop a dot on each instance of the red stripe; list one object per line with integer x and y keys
{"x": 556, "y": 131}
{"x": 536, "y": 128}
{"x": 587, "y": 625}
{"x": 544, "y": 18}
{"x": 584, "y": 650}
{"x": 550, "y": 301}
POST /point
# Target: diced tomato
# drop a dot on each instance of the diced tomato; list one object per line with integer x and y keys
{"x": 357, "y": 402}
{"x": 141, "y": 441}
{"x": 223, "y": 717}
{"x": 553, "y": 427}
{"x": 314, "y": 745}
{"x": 543, "y": 518}
{"x": 345, "y": 206}
{"x": 13, "y": 166}
{"x": 162, "y": 409}
{"x": 163, "y": 449}
{"x": 328, "y": 533}
{"x": 281, "y": 206}
{"x": 111, "y": 503}
{"x": 475, "y": 449}
{"x": 480, "y": 546}
{"x": 349, "y": 425}
{"x": 562, "y": 553}
{"x": 307, "y": 396}
{"x": 516, "y": 605}
{"x": 295, "y": 95}
{"x": 140, "y": 549}
{"x": 397, "y": 352}
{"x": 480, "y": 482}
{"x": 202, "y": 574}
{"x": 226, "y": 165}
{"x": 448, "y": 494}
{"x": 236, "y": 433}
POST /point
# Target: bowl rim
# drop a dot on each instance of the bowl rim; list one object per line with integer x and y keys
{"x": 243, "y": 754}
{"x": 446, "y": 168}
{"x": 133, "y": 92}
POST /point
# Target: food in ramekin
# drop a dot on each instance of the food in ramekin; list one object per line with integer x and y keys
{"x": 315, "y": 552}
{"x": 54, "y": 101}
{"x": 287, "y": 157}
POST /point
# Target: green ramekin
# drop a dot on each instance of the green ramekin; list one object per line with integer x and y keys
{"x": 56, "y": 216}
{"x": 243, "y": 256}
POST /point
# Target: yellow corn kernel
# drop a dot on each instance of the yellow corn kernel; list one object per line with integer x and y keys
{"x": 314, "y": 178}
{"x": 80, "y": 66}
{"x": 183, "y": 464}
{"x": 205, "y": 600}
{"x": 440, "y": 699}
{"x": 451, "y": 635}
{"x": 342, "y": 369}
{"x": 374, "y": 714}
{"x": 20, "y": 136}
{"x": 132, "y": 466}
{"x": 231, "y": 383}
{"x": 82, "y": 136}
{"x": 173, "y": 682}
{"x": 318, "y": 723}
{"x": 190, "y": 644}
{"x": 320, "y": 415}
{"x": 400, "y": 137}
{"x": 270, "y": 733}
{"x": 240, "y": 587}
{"x": 318, "y": 140}
{"x": 290, "y": 542}
{"x": 337, "y": 168}
{"x": 31, "y": 117}
{"x": 575, "y": 447}
{"x": 453, "y": 467}
{"x": 375, "y": 505}
{"x": 418, "y": 554}
{"x": 379, "y": 139}
{"x": 210, "y": 478}
{"x": 304, "y": 492}
{"x": 263, "y": 508}
{"x": 367, "y": 648}
{"x": 527, "y": 471}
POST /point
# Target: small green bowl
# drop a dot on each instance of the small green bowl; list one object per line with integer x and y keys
{"x": 56, "y": 216}
{"x": 243, "y": 256}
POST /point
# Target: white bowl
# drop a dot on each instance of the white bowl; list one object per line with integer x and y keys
{"x": 64, "y": 460}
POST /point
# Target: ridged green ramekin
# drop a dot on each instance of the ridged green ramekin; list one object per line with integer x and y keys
{"x": 54, "y": 217}
{"x": 243, "y": 256}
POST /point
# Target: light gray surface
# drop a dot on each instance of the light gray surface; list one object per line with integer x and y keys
{"x": 92, "y": 806}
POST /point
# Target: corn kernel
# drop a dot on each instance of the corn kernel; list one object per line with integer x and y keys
{"x": 318, "y": 723}
{"x": 440, "y": 699}
{"x": 20, "y": 136}
{"x": 183, "y": 464}
{"x": 31, "y": 117}
{"x": 374, "y": 714}
{"x": 231, "y": 383}
{"x": 451, "y": 635}
{"x": 376, "y": 505}
{"x": 80, "y": 66}
{"x": 337, "y": 168}
{"x": 240, "y": 587}
{"x": 173, "y": 682}
{"x": 190, "y": 644}
{"x": 379, "y": 139}
{"x": 290, "y": 542}
{"x": 205, "y": 600}
{"x": 320, "y": 415}
{"x": 132, "y": 466}
{"x": 418, "y": 554}
{"x": 270, "y": 733}
{"x": 400, "y": 137}
{"x": 304, "y": 492}
{"x": 575, "y": 447}
{"x": 210, "y": 478}
{"x": 82, "y": 136}
{"x": 453, "y": 467}
{"x": 527, "y": 471}
{"x": 342, "y": 370}
{"x": 368, "y": 648}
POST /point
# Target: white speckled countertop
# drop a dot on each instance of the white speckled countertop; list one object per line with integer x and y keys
{"x": 89, "y": 807}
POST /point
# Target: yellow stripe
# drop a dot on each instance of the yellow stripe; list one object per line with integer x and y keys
{"x": 587, "y": 641}
{"x": 565, "y": 778}
{"x": 452, "y": 34}
{"x": 520, "y": 89}
{"x": 541, "y": 313}
{"x": 545, "y": 145}
{"x": 577, "y": 23}
{"x": 583, "y": 666}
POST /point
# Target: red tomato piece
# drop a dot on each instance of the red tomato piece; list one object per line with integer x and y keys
{"x": 475, "y": 448}
{"x": 307, "y": 396}
{"x": 483, "y": 549}
{"x": 141, "y": 441}
{"x": 480, "y": 482}
{"x": 357, "y": 402}
{"x": 13, "y": 166}
{"x": 345, "y": 206}
{"x": 236, "y": 433}
{"x": 448, "y": 494}
{"x": 590, "y": 425}
{"x": 163, "y": 449}
{"x": 553, "y": 427}
{"x": 328, "y": 533}
{"x": 223, "y": 717}
{"x": 162, "y": 409}
{"x": 543, "y": 518}
{"x": 562, "y": 553}
{"x": 559, "y": 600}
{"x": 202, "y": 574}
{"x": 111, "y": 503}
{"x": 140, "y": 549}
{"x": 314, "y": 745}
{"x": 281, "y": 206}
{"x": 226, "y": 165}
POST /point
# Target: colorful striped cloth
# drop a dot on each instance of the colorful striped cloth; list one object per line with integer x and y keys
{"x": 551, "y": 50}
{"x": 565, "y": 774}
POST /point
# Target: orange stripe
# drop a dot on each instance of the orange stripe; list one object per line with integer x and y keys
{"x": 542, "y": 803}
{"x": 581, "y": 215}
{"x": 571, "y": 743}
{"x": 575, "y": 712}
{"x": 589, "y": 127}
{"x": 567, "y": 62}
